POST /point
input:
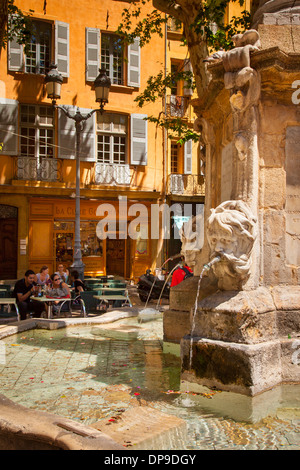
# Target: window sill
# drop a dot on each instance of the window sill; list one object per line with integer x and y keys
{"x": 122, "y": 89}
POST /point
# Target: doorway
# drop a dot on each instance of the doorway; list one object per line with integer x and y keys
{"x": 8, "y": 248}
{"x": 115, "y": 257}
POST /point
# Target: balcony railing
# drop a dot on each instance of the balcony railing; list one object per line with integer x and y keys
{"x": 186, "y": 185}
{"x": 177, "y": 106}
{"x": 174, "y": 25}
{"x": 38, "y": 169}
{"x": 111, "y": 174}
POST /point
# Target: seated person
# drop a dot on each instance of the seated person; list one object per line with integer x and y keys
{"x": 23, "y": 290}
{"x": 181, "y": 273}
{"x": 42, "y": 278}
{"x": 62, "y": 273}
{"x": 78, "y": 284}
{"x": 59, "y": 287}
{"x": 60, "y": 290}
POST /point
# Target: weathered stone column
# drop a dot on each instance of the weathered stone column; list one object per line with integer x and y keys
{"x": 246, "y": 335}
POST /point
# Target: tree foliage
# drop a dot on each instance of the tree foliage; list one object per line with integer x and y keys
{"x": 207, "y": 25}
{"x": 14, "y": 24}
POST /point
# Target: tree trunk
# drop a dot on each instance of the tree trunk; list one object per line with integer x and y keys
{"x": 186, "y": 11}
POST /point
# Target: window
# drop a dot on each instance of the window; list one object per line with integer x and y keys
{"x": 176, "y": 85}
{"x": 112, "y": 58}
{"x": 176, "y": 163}
{"x": 105, "y": 50}
{"x": 37, "y": 133}
{"x": 40, "y": 54}
{"x": 111, "y": 138}
{"x": 37, "y": 60}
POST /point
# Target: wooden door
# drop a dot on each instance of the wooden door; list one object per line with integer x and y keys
{"x": 8, "y": 248}
{"x": 115, "y": 257}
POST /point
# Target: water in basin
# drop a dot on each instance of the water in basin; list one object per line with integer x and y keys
{"x": 89, "y": 373}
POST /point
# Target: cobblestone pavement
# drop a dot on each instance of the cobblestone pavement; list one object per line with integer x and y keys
{"x": 78, "y": 373}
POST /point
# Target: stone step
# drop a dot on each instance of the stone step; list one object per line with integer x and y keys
{"x": 144, "y": 428}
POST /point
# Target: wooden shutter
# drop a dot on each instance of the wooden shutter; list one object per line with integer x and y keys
{"x": 9, "y": 126}
{"x": 15, "y": 56}
{"x": 62, "y": 47}
{"x": 187, "y": 67}
{"x": 92, "y": 53}
{"x": 67, "y": 136}
{"x": 188, "y": 148}
{"x": 88, "y": 138}
{"x": 138, "y": 139}
{"x": 134, "y": 64}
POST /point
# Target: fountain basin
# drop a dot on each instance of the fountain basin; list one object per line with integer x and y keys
{"x": 245, "y": 342}
{"x": 86, "y": 378}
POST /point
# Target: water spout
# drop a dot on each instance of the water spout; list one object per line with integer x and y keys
{"x": 207, "y": 266}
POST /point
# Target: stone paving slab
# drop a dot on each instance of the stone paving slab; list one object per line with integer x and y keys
{"x": 52, "y": 324}
{"x": 144, "y": 428}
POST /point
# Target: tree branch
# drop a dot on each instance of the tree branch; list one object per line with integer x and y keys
{"x": 168, "y": 6}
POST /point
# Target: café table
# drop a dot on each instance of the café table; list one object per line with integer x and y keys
{"x": 105, "y": 296}
{"x": 49, "y": 301}
{"x": 10, "y": 301}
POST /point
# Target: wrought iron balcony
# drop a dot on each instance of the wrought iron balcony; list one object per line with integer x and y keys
{"x": 38, "y": 169}
{"x": 174, "y": 26}
{"x": 111, "y": 174}
{"x": 177, "y": 106}
{"x": 186, "y": 185}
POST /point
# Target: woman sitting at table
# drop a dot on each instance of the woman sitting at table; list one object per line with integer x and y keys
{"x": 42, "y": 278}
{"x": 60, "y": 290}
{"x": 78, "y": 284}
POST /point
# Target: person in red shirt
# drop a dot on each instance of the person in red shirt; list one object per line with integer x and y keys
{"x": 181, "y": 273}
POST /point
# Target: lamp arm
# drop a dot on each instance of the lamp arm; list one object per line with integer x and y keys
{"x": 56, "y": 106}
{"x": 90, "y": 114}
{"x": 81, "y": 117}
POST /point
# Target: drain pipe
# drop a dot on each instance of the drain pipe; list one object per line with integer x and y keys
{"x": 165, "y": 137}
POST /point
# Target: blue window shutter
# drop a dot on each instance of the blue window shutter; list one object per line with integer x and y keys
{"x": 187, "y": 68}
{"x": 188, "y": 148}
{"x": 9, "y": 126}
{"x": 67, "y": 136}
{"x": 15, "y": 56}
{"x": 92, "y": 53}
{"x": 62, "y": 47}
{"x": 134, "y": 64}
{"x": 138, "y": 139}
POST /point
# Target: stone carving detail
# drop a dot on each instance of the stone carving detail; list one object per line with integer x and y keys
{"x": 192, "y": 238}
{"x": 239, "y": 76}
{"x": 245, "y": 86}
{"x": 231, "y": 233}
{"x": 284, "y": 9}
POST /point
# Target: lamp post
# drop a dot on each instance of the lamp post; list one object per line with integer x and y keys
{"x": 53, "y": 82}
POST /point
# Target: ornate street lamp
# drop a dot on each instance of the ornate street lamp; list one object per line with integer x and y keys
{"x": 102, "y": 83}
{"x": 53, "y": 82}
{"x": 102, "y": 86}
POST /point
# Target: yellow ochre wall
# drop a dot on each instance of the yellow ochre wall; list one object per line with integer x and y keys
{"x": 29, "y": 89}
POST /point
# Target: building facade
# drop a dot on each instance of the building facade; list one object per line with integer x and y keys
{"x": 124, "y": 158}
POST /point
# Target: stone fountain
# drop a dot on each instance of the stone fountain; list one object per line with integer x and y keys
{"x": 246, "y": 334}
